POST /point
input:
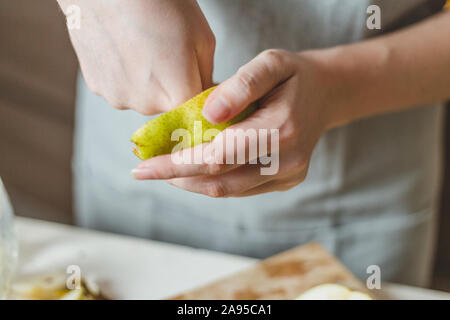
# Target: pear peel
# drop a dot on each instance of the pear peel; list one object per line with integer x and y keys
{"x": 155, "y": 137}
{"x": 54, "y": 287}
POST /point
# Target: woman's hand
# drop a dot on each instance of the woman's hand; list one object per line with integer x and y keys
{"x": 307, "y": 93}
{"x": 293, "y": 93}
{"x": 146, "y": 55}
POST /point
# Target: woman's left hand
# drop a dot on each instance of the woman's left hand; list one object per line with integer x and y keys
{"x": 294, "y": 91}
{"x": 304, "y": 94}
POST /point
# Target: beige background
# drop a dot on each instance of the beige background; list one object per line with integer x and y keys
{"x": 37, "y": 92}
{"x": 37, "y": 81}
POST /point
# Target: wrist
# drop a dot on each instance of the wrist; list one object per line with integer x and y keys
{"x": 323, "y": 80}
{"x": 350, "y": 78}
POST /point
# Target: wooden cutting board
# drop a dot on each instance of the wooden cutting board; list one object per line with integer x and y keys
{"x": 284, "y": 276}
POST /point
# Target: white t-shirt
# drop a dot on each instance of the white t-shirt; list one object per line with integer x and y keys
{"x": 371, "y": 187}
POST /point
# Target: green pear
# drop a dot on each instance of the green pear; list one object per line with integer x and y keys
{"x": 155, "y": 137}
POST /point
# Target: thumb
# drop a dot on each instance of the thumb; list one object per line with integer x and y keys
{"x": 250, "y": 83}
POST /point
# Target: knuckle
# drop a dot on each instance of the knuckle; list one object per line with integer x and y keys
{"x": 210, "y": 41}
{"x": 147, "y": 106}
{"x": 215, "y": 190}
{"x": 294, "y": 183}
{"x": 290, "y": 185}
{"x": 145, "y": 110}
{"x": 171, "y": 172}
{"x": 275, "y": 57}
{"x": 301, "y": 178}
{"x": 299, "y": 165}
{"x": 93, "y": 87}
{"x": 114, "y": 100}
{"x": 207, "y": 42}
{"x": 247, "y": 80}
{"x": 286, "y": 187}
{"x": 288, "y": 132}
{"x": 116, "y": 104}
{"x": 214, "y": 168}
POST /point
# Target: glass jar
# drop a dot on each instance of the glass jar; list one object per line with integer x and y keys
{"x": 8, "y": 244}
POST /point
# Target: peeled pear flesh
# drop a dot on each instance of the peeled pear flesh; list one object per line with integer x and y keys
{"x": 333, "y": 292}
{"x": 154, "y": 138}
{"x": 53, "y": 287}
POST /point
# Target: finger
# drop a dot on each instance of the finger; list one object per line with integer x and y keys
{"x": 250, "y": 83}
{"x": 216, "y": 157}
{"x": 172, "y": 166}
{"x": 233, "y": 182}
{"x": 271, "y": 186}
{"x": 219, "y": 157}
{"x": 247, "y": 141}
{"x": 265, "y": 129}
{"x": 246, "y": 180}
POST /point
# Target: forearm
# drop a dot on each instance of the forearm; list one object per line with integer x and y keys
{"x": 405, "y": 69}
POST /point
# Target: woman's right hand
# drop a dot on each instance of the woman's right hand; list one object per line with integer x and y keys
{"x": 145, "y": 55}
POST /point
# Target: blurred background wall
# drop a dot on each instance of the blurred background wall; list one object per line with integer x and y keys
{"x": 37, "y": 82}
{"x": 37, "y": 92}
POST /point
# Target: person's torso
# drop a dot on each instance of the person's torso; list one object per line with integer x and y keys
{"x": 381, "y": 166}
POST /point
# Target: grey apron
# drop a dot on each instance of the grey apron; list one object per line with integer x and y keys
{"x": 370, "y": 195}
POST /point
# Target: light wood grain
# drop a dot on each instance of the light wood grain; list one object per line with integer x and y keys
{"x": 284, "y": 276}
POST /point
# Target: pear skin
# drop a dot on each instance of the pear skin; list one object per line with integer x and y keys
{"x": 155, "y": 137}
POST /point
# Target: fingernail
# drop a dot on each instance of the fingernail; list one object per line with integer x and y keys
{"x": 217, "y": 110}
{"x": 141, "y": 174}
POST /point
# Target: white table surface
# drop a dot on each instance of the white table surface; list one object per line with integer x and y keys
{"x": 132, "y": 268}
